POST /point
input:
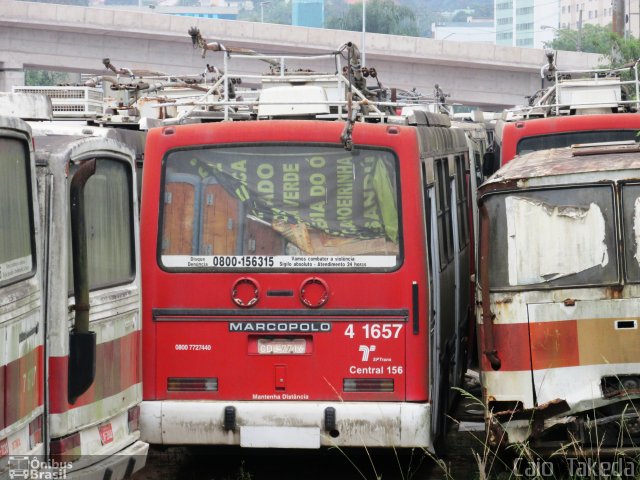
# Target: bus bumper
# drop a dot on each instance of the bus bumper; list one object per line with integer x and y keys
{"x": 287, "y": 424}
{"x": 122, "y": 464}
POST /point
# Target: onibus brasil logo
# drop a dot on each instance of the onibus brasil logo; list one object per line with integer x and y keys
{"x": 34, "y": 468}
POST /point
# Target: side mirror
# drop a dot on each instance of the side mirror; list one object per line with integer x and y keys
{"x": 82, "y": 363}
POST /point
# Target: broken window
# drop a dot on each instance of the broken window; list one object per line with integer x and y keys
{"x": 545, "y": 242}
{"x": 631, "y": 227}
{"x": 553, "y": 238}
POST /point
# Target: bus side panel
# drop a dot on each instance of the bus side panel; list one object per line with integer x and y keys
{"x": 117, "y": 374}
{"x": 23, "y": 390}
{"x": 2, "y": 381}
{"x": 23, "y": 386}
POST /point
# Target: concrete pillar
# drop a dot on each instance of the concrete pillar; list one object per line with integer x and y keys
{"x": 11, "y": 75}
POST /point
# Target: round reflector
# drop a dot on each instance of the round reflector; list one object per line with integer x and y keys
{"x": 314, "y": 292}
{"x": 245, "y": 292}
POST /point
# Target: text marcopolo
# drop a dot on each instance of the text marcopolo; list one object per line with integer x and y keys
{"x": 279, "y": 326}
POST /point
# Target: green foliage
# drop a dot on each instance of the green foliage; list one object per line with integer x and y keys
{"x": 45, "y": 78}
{"x": 382, "y": 16}
{"x": 598, "y": 39}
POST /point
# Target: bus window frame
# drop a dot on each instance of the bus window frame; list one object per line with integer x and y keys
{"x": 623, "y": 230}
{"x": 444, "y": 214}
{"x": 31, "y": 199}
{"x": 462, "y": 201}
{"x": 616, "y": 228}
{"x": 129, "y": 168}
{"x": 569, "y": 133}
{"x": 160, "y": 202}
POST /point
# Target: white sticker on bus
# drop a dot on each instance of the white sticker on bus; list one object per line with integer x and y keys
{"x": 279, "y": 261}
{"x": 15, "y": 268}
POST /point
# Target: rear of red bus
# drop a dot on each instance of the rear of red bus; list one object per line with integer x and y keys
{"x": 524, "y": 136}
{"x": 285, "y": 286}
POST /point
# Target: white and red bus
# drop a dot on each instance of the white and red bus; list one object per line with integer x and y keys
{"x": 93, "y": 307}
{"x": 21, "y": 300}
{"x": 89, "y": 371}
{"x": 579, "y": 107}
{"x": 559, "y": 298}
{"x": 300, "y": 272}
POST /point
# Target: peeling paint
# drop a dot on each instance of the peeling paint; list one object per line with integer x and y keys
{"x": 535, "y": 256}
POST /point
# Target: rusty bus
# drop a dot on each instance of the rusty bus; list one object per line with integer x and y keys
{"x": 89, "y": 371}
{"x": 21, "y": 299}
{"x": 559, "y": 288}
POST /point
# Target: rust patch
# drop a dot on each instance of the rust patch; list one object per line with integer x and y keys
{"x": 496, "y": 434}
{"x": 539, "y": 413}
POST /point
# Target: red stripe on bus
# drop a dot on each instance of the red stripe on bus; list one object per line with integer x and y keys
{"x": 118, "y": 367}
{"x": 23, "y": 386}
{"x": 511, "y": 341}
{"x": 554, "y": 344}
{"x": 2, "y": 375}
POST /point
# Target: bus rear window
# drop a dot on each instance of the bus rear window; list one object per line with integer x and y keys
{"x": 16, "y": 232}
{"x": 561, "y": 140}
{"x": 280, "y": 207}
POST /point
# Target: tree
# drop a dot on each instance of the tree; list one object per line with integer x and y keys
{"x": 276, "y": 11}
{"x": 34, "y": 78}
{"x": 383, "y": 16}
{"x": 598, "y": 39}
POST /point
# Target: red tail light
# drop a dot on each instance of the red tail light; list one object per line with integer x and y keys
{"x": 134, "y": 418}
{"x": 66, "y": 449}
{"x": 35, "y": 432}
{"x": 367, "y": 385}
{"x": 4, "y": 448}
{"x": 182, "y": 384}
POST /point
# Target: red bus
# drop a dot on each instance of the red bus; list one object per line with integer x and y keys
{"x": 298, "y": 293}
{"x": 21, "y": 300}
{"x": 580, "y": 107}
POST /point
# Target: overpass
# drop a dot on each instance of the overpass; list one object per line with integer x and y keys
{"x": 70, "y": 38}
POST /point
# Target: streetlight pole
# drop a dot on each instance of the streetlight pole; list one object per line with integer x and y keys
{"x": 262, "y": 4}
{"x": 364, "y": 30}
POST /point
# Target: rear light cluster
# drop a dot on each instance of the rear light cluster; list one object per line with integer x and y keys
{"x": 35, "y": 432}
{"x": 66, "y": 449}
{"x": 4, "y": 448}
{"x": 185, "y": 384}
{"x": 367, "y": 385}
{"x": 133, "y": 419}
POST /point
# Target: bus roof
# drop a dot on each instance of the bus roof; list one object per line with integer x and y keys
{"x": 554, "y": 165}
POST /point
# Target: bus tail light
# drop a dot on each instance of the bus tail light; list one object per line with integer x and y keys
{"x": 66, "y": 449}
{"x": 189, "y": 384}
{"x": 133, "y": 418}
{"x": 4, "y": 448}
{"x": 35, "y": 432}
{"x": 367, "y": 385}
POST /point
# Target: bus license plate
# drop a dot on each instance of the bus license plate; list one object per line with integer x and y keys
{"x": 282, "y": 346}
